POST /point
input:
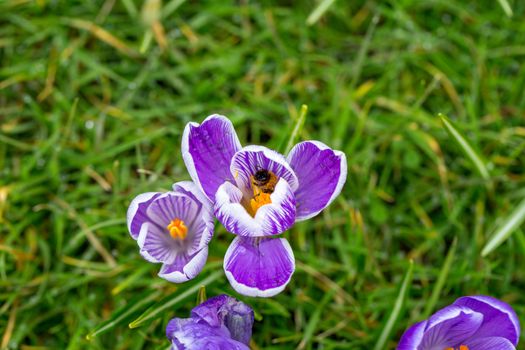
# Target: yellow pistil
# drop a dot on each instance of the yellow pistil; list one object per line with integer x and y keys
{"x": 462, "y": 347}
{"x": 177, "y": 229}
{"x": 258, "y": 201}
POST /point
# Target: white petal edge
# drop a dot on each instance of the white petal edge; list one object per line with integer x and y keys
{"x": 134, "y": 206}
{"x": 449, "y": 312}
{"x": 140, "y": 241}
{"x": 190, "y": 270}
{"x": 340, "y": 183}
{"x": 251, "y": 291}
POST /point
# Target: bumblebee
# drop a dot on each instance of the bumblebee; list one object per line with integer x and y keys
{"x": 263, "y": 185}
{"x": 263, "y": 181}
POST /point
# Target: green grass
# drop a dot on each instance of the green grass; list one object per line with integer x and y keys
{"x": 93, "y": 103}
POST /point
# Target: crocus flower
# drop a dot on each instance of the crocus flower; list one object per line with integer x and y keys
{"x": 174, "y": 229}
{"x": 258, "y": 193}
{"x": 220, "y": 323}
{"x": 471, "y": 323}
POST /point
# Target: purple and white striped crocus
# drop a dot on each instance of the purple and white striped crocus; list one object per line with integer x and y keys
{"x": 174, "y": 229}
{"x": 220, "y": 323}
{"x": 258, "y": 193}
{"x": 471, "y": 323}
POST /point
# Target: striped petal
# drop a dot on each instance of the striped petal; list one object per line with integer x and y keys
{"x": 270, "y": 219}
{"x": 500, "y": 320}
{"x": 207, "y": 150}
{"x": 321, "y": 172}
{"x": 184, "y": 267}
{"x": 259, "y": 267}
{"x": 450, "y": 327}
{"x": 490, "y": 343}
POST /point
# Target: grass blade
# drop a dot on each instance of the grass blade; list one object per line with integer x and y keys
{"x": 465, "y": 146}
{"x": 201, "y": 295}
{"x": 123, "y": 314}
{"x": 441, "y": 279}
{"x": 297, "y": 129}
{"x": 506, "y": 7}
{"x": 103, "y": 35}
{"x": 314, "y": 320}
{"x": 398, "y": 306}
{"x": 319, "y": 11}
{"x": 172, "y": 300}
{"x": 511, "y": 223}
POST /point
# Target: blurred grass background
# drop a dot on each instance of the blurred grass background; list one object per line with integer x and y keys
{"x": 94, "y": 96}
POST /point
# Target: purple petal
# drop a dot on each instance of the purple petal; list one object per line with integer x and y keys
{"x": 194, "y": 192}
{"x": 187, "y": 334}
{"x": 224, "y": 310}
{"x": 156, "y": 244}
{"x": 500, "y": 320}
{"x": 450, "y": 327}
{"x": 490, "y": 343}
{"x": 136, "y": 215}
{"x": 270, "y": 219}
{"x": 250, "y": 159}
{"x": 184, "y": 268}
{"x": 176, "y": 325}
{"x": 207, "y": 150}
{"x": 259, "y": 267}
{"x": 412, "y": 337}
{"x": 171, "y": 205}
{"x": 321, "y": 172}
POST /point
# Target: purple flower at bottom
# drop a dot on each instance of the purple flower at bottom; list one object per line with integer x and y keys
{"x": 471, "y": 323}
{"x": 257, "y": 194}
{"x": 173, "y": 228}
{"x": 220, "y": 323}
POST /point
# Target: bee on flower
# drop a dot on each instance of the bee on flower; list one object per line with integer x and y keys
{"x": 257, "y": 194}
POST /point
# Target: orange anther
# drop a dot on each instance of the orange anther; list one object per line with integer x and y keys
{"x": 177, "y": 229}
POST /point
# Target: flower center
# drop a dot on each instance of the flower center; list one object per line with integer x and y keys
{"x": 177, "y": 229}
{"x": 258, "y": 201}
{"x": 263, "y": 184}
{"x": 461, "y": 347}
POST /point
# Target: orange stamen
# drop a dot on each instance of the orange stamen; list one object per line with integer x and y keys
{"x": 461, "y": 347}
{"x": 177, "y": 229}
{"x": 258, "y": 201}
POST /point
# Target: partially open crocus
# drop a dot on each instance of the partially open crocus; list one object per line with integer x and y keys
{"x": 220, "y": 323}
{"x": 258, "y": 193}
{"x": 174, "y": 229}
{"x": 471, "y": 323}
